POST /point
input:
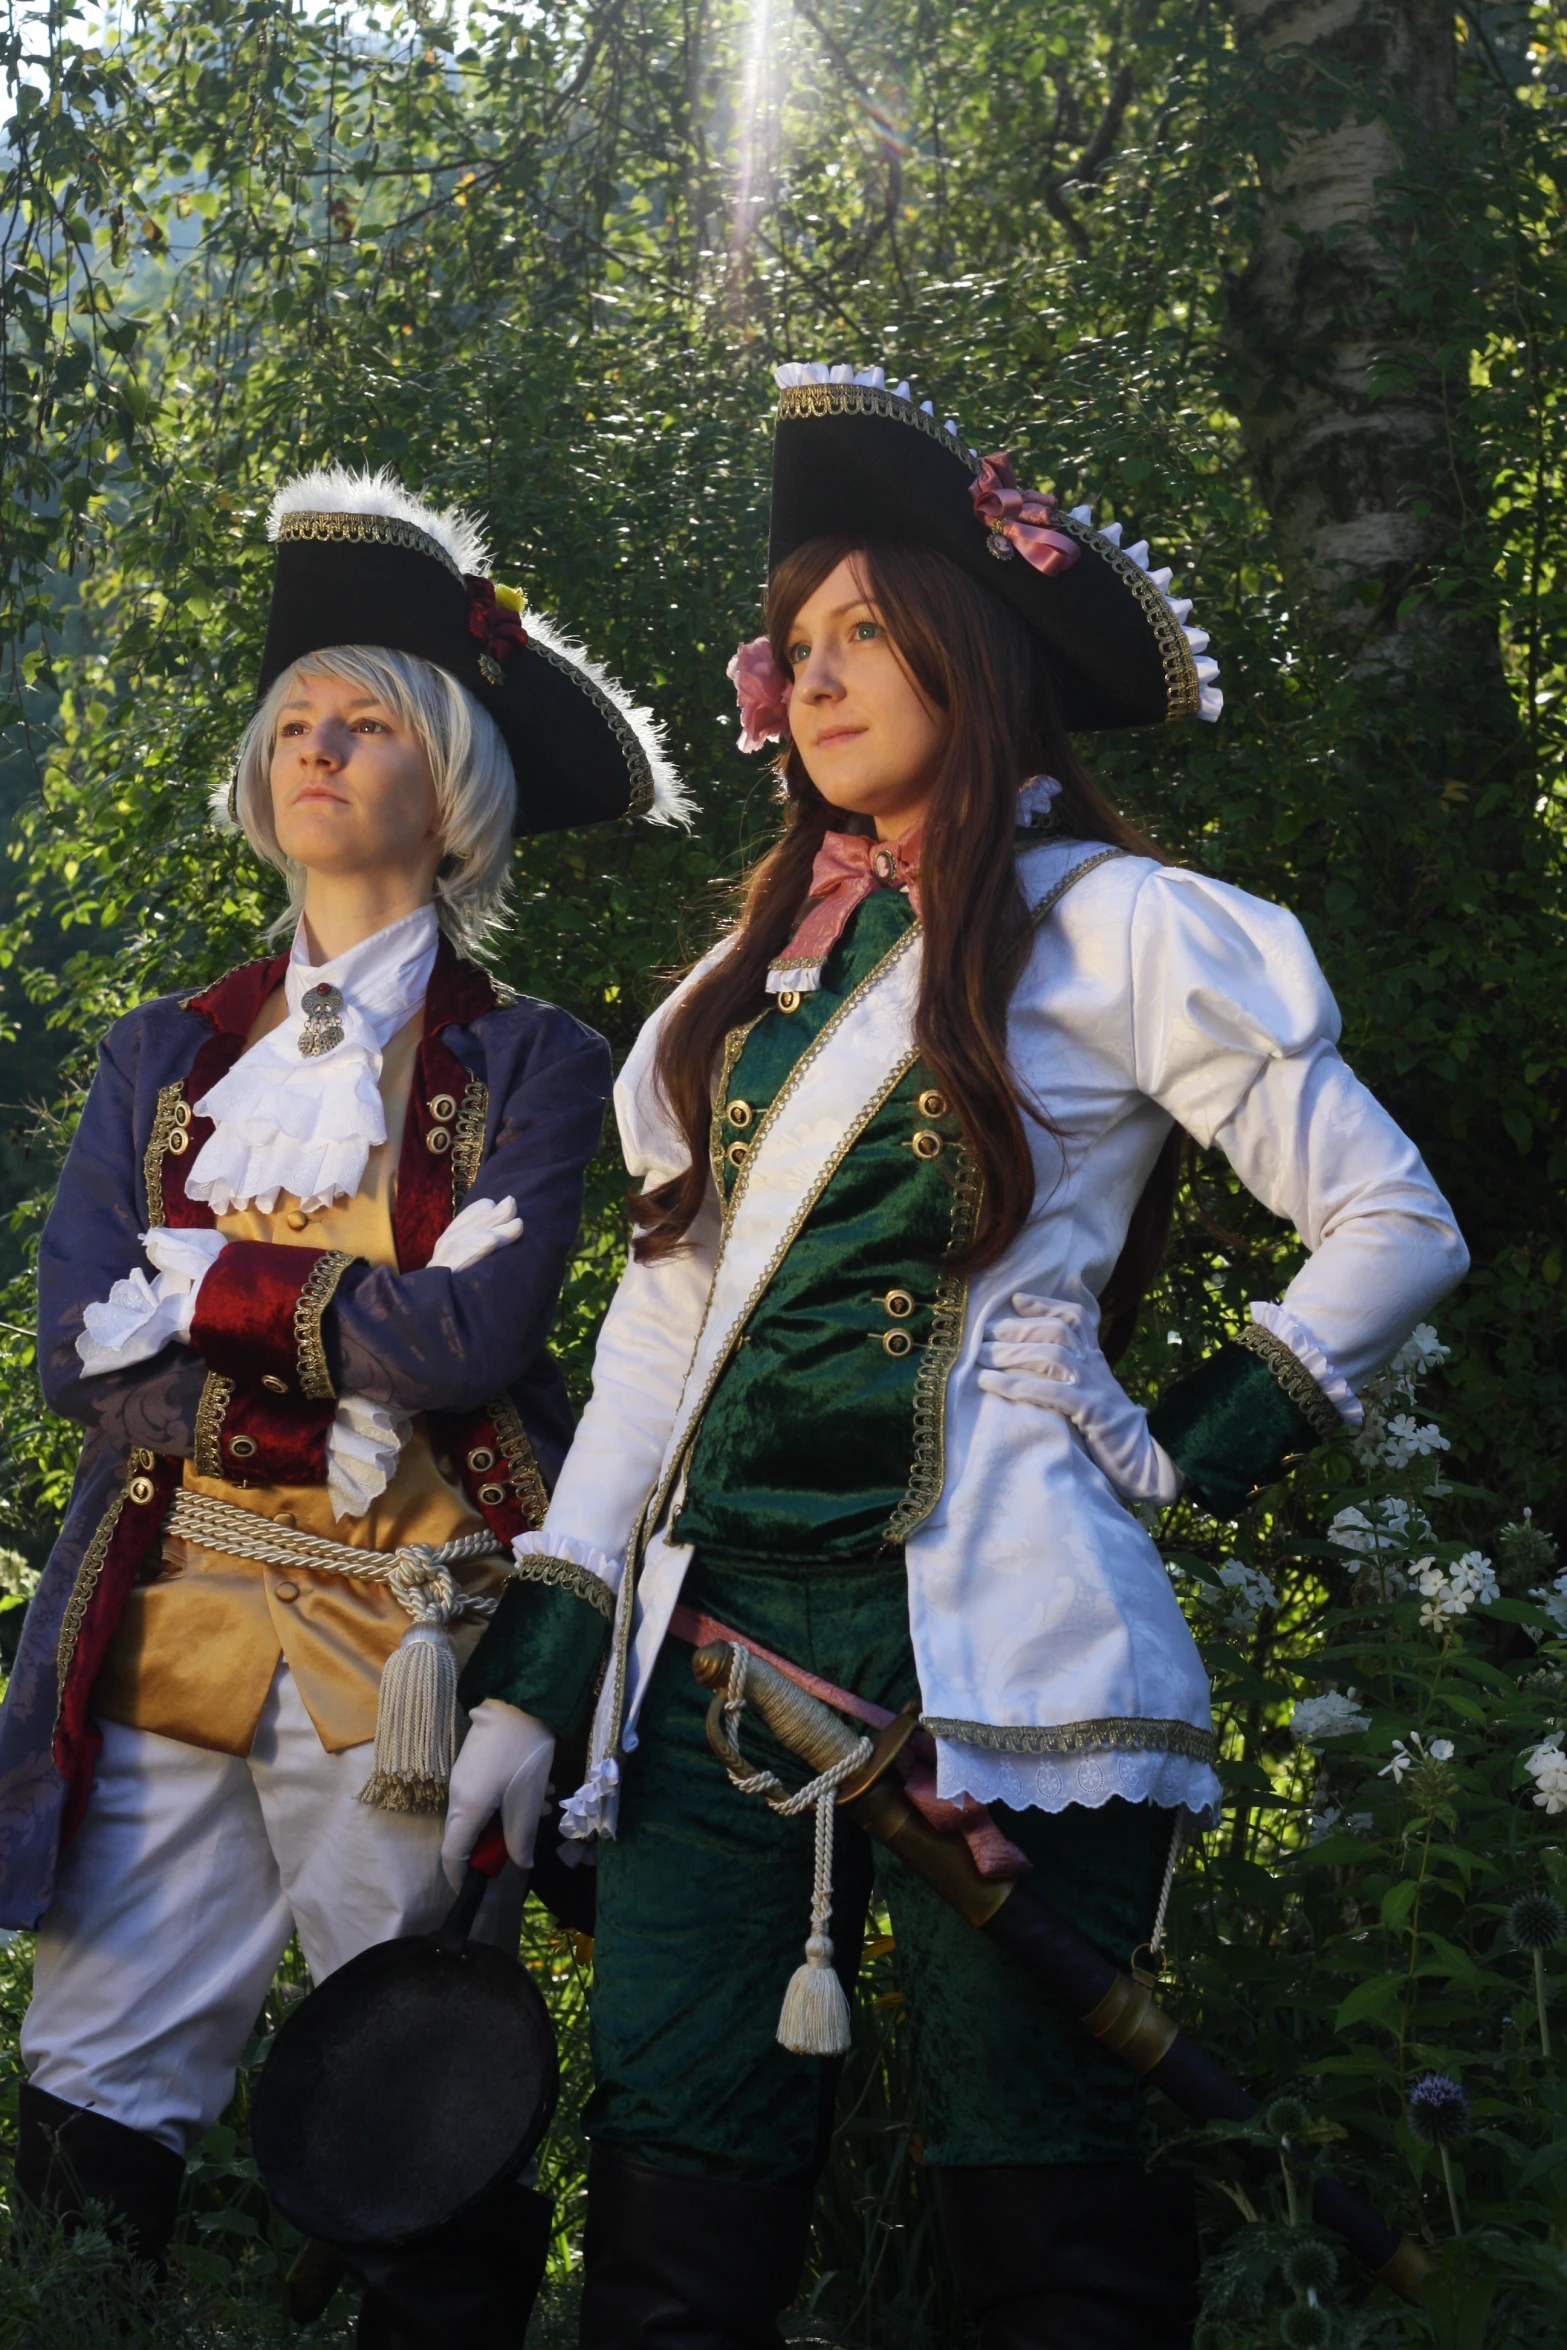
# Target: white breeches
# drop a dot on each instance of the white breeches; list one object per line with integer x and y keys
{"x": 176, "y": 1899}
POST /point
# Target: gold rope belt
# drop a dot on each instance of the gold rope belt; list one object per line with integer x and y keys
{"x": 418, "y": 1574}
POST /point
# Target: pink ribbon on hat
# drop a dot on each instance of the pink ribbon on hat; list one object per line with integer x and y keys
{"x": 847, "y": 869}
{"x": 1020, "y": 519}
{"x": 762, "y": 691}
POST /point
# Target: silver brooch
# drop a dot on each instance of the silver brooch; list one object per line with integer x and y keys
{"x": 323, "y": 1010}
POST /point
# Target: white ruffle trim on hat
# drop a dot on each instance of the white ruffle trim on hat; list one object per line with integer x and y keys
{"x": 337, "y": 489}
{"x": 672, "y": 803}
{"x": 1283, "y": 1326}
{"x": 1050, "y": 1782}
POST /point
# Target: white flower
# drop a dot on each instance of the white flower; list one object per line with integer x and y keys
{"x": 1547, "y": 1766}
{"x": 1402, "y": 1758}
{"x": 1442, "y": 1750}
{"x": 1390, "y": 1530}
{"x": 1553, "y": 1598}
{"x": 1471, "y": 1580}
{"x": 1405, "y": 1440}
{"x": 1421, "y": 1352}
{"x": 1243, "y": 1595}
{"x": 1332, "y": 1715}
{"x": 1324, "y": 1822}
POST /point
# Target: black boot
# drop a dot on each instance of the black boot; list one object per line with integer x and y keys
{"x": 677, "y": 2263}
{"x": 1073, "y": 2256}
{"x": 68, "y": 2157}
{"x": 469, "y": 2286}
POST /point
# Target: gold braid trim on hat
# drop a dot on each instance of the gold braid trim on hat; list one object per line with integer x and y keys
{"x": 865, "y": 400}
{"x": 382, "y": 530}
{"x": 631, "y": 750}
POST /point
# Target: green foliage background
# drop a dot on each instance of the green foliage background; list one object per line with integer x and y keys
{"x": 543, "y": 260}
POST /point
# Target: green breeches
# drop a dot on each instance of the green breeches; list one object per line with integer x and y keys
{"x": 704, "y": 1906}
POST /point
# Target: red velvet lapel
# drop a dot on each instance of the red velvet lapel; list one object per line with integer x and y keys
{"x": 138, "y": 1517}
{"x": 231, "y": 1006}
{"x": 459, "y": 992}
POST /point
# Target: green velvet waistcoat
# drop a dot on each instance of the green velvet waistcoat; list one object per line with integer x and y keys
{"x": 822, "y": 1439}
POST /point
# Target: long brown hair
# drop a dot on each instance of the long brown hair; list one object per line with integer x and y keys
{"x": 976, "y": 662}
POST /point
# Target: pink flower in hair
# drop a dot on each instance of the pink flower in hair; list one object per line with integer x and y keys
{"x": 762, "y": 691}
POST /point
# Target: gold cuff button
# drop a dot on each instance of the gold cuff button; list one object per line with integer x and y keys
{"x": 285, "y": 1591}
{"x": 926, "y": 1144}
{"x": 788, "y": 999}
{"x": 141, "y": 1458}
{"x": 896, "y": 1343}
{"x": 737, "y": 1153}
{"x": 296, "y": 1220}
{"x": 141, "y": 1489}
{"x": 273, "y": 1384}
{"x": 898, "y": 1304}
{"x": 442, "y": 1108}
{"x": 480, "y": 1459}
{"x": 740, "y": 1114}
{"x": 438, "y": 1141}
{"x": 492, "y": 1496}
{"x": 242, "y": 1448}
{"x": 932, "y": 1104}
{"x": 179, "y": 1142}
{"x": 181, "y": 1113}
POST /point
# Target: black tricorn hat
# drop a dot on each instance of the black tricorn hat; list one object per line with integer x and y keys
{"x": 852, "y": 457}
{"x": 359, "y": 560}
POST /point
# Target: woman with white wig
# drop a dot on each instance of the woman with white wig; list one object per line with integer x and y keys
{"x": 295, "y": 1286}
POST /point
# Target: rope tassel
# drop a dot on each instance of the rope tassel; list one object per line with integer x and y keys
{"x": 814, "y": 2019}
{"x": 416, "y": 1715}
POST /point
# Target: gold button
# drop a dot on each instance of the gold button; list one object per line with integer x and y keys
{"x": 181, "y": 1113}
{"x": 140, "y": 1459}
{"x": 273, "y": 1384}
{"x": 737, "y": 1153}
{"x": 242, "y": 1448}
{"x": 286, "y": 1518}
{"x": 296, "y": 1219}
{"x": 480, "y": 1459}
{"x": 142, "y": 1489}
{"x": 491, "y": 1496}
{"x": 740, "y": 1114}
{"x": 898, "y": 1304}
{"x": 285, "y": 1591}
{"x": 442, "y": 1108}
{"x": 179, "y": 1142}
{"x": 438, "y": 1140}
{"x": 932, "y": 1104}
{"x": 926, "y": 1144}
{"x": 788, "y": 1000}
{"x": 896, "y": 1343}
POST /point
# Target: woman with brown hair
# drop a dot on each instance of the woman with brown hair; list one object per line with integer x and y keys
{"x": 905, "y": 1143}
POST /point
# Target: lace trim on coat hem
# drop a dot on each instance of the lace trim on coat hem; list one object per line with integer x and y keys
{"x": 1052, "y": 1783}
{"x": 1116, "y": 1733}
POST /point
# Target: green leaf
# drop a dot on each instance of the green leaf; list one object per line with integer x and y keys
{"x": 1369, "y": 2000}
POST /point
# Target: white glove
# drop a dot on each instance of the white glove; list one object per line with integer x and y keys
{"x": 483, "y": 1226}
{"x": 504, "y": 1766}
{"x": 1049, "y": 1357}
{"x": 141, "y": 1317}
{"x": 362, "y": 1449}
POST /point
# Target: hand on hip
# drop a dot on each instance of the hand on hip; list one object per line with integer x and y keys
{"x": 1045, "y": 1353}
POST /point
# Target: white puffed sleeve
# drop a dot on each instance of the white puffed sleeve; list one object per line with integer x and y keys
{"x": 645, "y": 1345}
{"x": 1234, "y": 1032}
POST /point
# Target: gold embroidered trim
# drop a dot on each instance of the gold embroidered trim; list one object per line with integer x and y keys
{"x": 948, "y": 1318}
{"x": 566, "y": 1575}
{"x": 631, "y": 750}
{"x": 1052, "y": 897}
{"x": 382, "y": 530}
{"x": 805, "y": 400}
{"x": 1133, "y": 1734}
{"x": 217, "y": 1394}
{"x": 87, "y": 1577}
{"x": 315, "y": 1380}
{"x": 1296, "y": 1381}
{"x": 522, "y": 1468}
{"x": 734, "y": 1046}
{"x": 468, "y": 1139}
{"x": 1175, "y": 654}
{"x": 164, "y": 1121}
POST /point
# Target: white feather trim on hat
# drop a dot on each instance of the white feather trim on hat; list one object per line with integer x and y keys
{"x": 335, "y": 489}
{"x": 672, "y": 803}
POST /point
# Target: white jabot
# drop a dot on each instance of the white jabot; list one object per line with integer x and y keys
{"x": 306, "y": 1123}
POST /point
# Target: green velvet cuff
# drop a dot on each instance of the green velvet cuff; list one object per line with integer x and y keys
{"x": 543, "y": 1649}
{"x": 1242, "y": 1417}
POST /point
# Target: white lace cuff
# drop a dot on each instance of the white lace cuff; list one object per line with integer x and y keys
{"x": 595, "y": 1807}
{"x": 1034, "y": 1782}
{"x": 1282, "y": 1325}
{"x": 141, "y": 1317}
{"x": 545, "y": 1545}
{"x": 362, "y": 1449}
